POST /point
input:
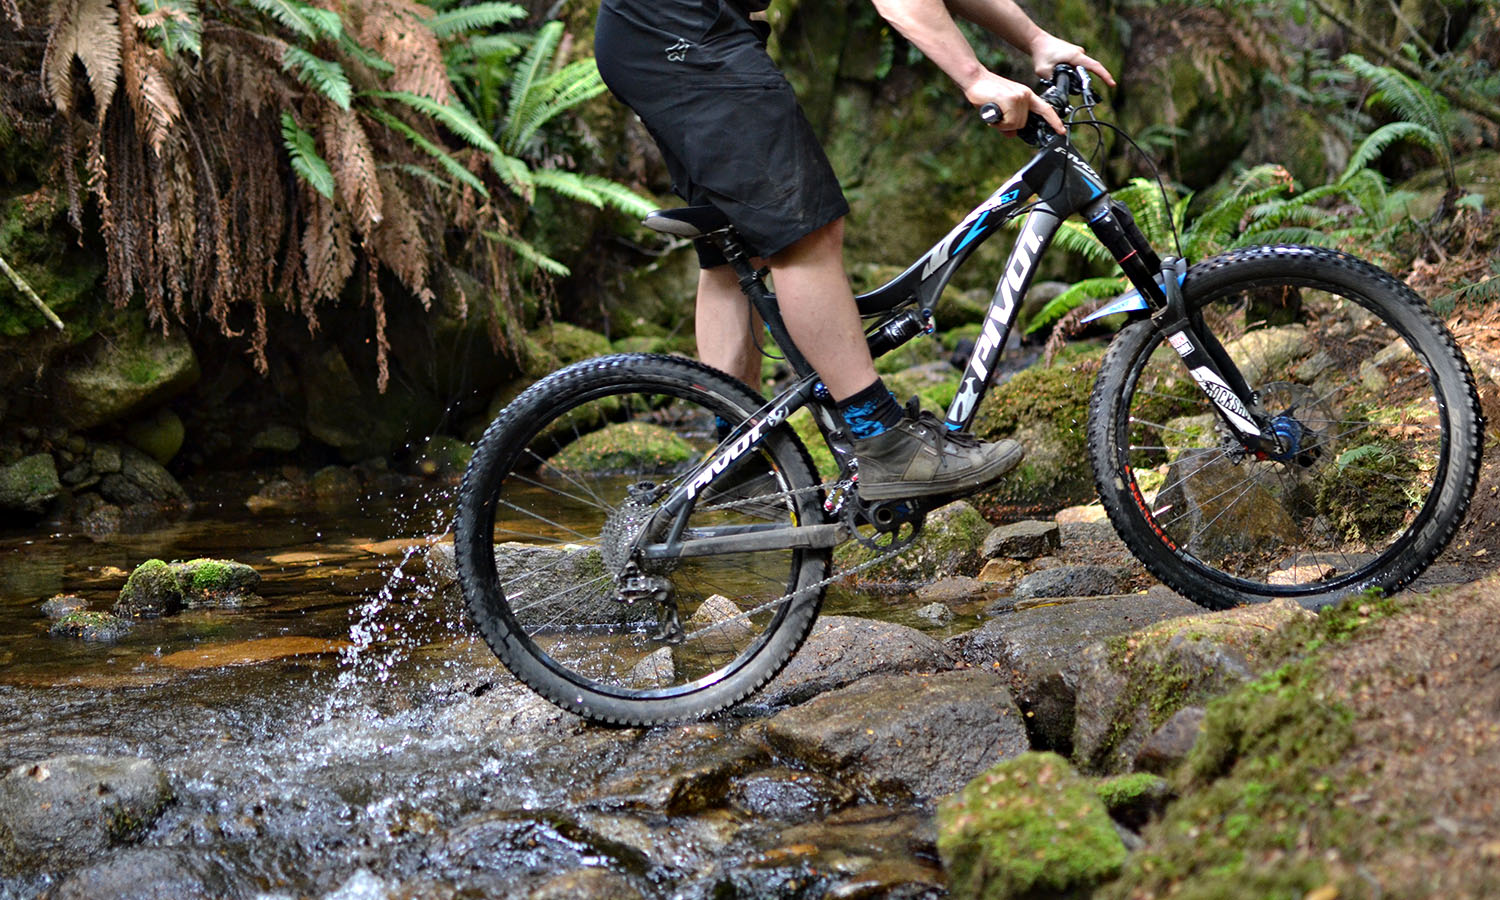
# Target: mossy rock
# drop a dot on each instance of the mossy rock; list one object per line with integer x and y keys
{"x": 152, "y": 590}
{"x": 949, "y": 544}
{"x": 1363, "y": 494}
{"x": 94, "y": 627}
{"x": 159, "y": 435}
{"x": 133, "y": 370}
{"x": 29, "y": 484}
{"x": 635, "y": 447}
{"x": 1046, "y": 409}
{"x": 571, "y": 343}
{"x": 1030, "y": 827}
{"x": 158, "y": 588}
{"x": 444, "y": 455}
{"x": 210, "y": 582}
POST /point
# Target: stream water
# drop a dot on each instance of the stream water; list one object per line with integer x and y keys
{"x": 402, "y": 760}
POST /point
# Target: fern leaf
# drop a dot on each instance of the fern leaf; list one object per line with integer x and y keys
{"x": 455, "y": 118}
{"x": 1075, "y": 237}
{"x": 516, "y": 175}
{"x": 303, "y": 150}
{"x": 144, "y": 71}
{"x": 568, "y": 184}
{"x": 466, "y": 19}
{"x": 396, "y": 30}
{"x": 618, "y": 196}
{"x": 172, "y": 25}
{"x": 87, "y": 30}
{"x": 1371, "y": 147}
{"x": 1411, "y": 100}
{"x": 450, "y": 165}
{"x": 369, "y": 58}
{"x": 1075, "y": 296}
{"x": 324, "y": 76}
{"x": 398, "y": 240}
{"x": 303, "y": 19}
{"x": 531, "y": 254}
{"x": 352, "y": 160}
{"x": 524, "y": 98}
{"x": 573, "y": 84}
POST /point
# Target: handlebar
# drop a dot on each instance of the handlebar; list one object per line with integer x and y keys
{"x": 1066, "y": 81}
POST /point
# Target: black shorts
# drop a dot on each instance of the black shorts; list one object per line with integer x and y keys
{"x": 726, "y": 120}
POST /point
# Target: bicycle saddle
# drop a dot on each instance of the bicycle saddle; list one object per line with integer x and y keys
{"x": 687, "y": 221}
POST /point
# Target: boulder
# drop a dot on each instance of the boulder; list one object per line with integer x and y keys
{"x": 790, "y": 795}
{"x": 1170, "y": 744}
{"x": 1022, "y": 540}
{"x": 1132, "y": 685}
{"x": 635, "y": 447}
{"x": 1069, "y": 581}
{"x": 125, "y": 374}
{"x": 158, "y": 435}
{"x": 150, "y": 873}
{"x": 158, "y": 588}
{"x": 949, "y": 544}
{"x": 936, "y": 613}
{"x": 142, "y": 480}
{"x": 152, "y": 590}
{"x": 843, "y": 649}
{"x": 919, "y": 736}
{"x": 276, "y": 439}
{"x": 62, "y": 605}
{"x": 334, "y": 485}
{"x": 1030, "y": 827}
{"x": 1134, "y": 799}
{"x": 63, "y": 812}
{"x": 1039, "y": 650}
{"x": 29, "y": 484}
{"x": 94, "y": 627}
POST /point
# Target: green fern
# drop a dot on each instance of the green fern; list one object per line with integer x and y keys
{"x": 524, "y": 97}
{"x": 531, "y": 254}
{"x": 466, "y": 19}
{"x": 324, "y": 76}
{"x": 593, "y": 190}
{"x": 1378, "y": 140}
{"x": 181, "y": 27}
{"x": 1076, "y": 295}
{"x": 450, "y": 165}
{"x": 1412, "y": 101}
{"x": 306, "y": 162}
{"x": 305, "y": 20}
{"x": 455, "y": 118}
{"x": 573, "y": 84}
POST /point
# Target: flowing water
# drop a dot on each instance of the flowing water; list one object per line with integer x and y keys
{"x": 346, "y": 737}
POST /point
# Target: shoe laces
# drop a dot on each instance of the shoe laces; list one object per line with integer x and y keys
{"x": 916, "y": 413}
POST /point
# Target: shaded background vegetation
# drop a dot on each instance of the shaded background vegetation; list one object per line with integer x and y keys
{"x": 399, "y": 211}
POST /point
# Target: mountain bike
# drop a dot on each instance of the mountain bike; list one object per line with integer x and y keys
{"x": 642, "y": 539}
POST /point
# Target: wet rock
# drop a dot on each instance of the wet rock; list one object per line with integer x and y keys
{"x": 1134, "y": 799}
{"x": 640, "y": 842}
{"x": 158, "y": 435}
{"x": 956, "y": 589}
{"x": 335, "y": 485}
{"x": 936, "y": 613}
{"x": 1022, "y": 540}
{"x": 146, "y": 874}
{"x": 249, "y": 653}
{"x": 656, "y": 669}
{"x": 63, "y": 812}
{"x": 635, "y": 447}
{"x": 844, "y": 649}
{"x": 1130, "y": 686}
{"x": 719, "y": 617}
{"x": 679, "y": 772}
{"x": 129, "y": 372}
{"x": 1029, "y": 827}
{"x": 916, "y": 736}
{"x": 29, "y": 484}
{"x": 1069, "y": 581}
{"x": 62, "y": 605}
{"x": 105, "y": 459}
{"x": 95, "y": 627}
{"x": 279, "y": 493}
{"x": 949, "y": 544}
{"x": 141, "y": 480}
{"x": 1170, "y": 744}
{"x": 789, "y": 795}
{"x": 277, "y": 439}
{"x": 97, "y": 517}
{"x": 585, "y": 884}
{"x": 870, "y": 851}
{"x": 1000, "y": 574}
{"x": 1038, "y": 650}
{"x": 158, "y": 588}
{"x": 539, "y": 571}
{"x": 1087, "y": 514}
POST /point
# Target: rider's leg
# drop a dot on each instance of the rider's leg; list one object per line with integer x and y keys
{"x": 728, "y": 329}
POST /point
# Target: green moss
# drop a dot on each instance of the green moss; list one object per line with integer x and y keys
{"x": 1126, "y": 790}
{"x": 570, "y": 343}
{"x": 628, "y": 447}
{"x": 1366, "y": 495}
{"x": 1046, "y": 409}
{"x": 1029, "y": 827}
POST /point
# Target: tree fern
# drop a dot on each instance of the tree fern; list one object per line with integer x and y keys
{"x": 569, "y": 86}
{"x": 1413, "y": 102}
{"x": 1376, "y": 143}
{"x": 531, "y": 254}
{"x": 306, "y": 162}
{"x": 478, "y": 17}
{"x": 523, "y": 96}
{"x": 303, "y": 19}
{"x": 450, "y": 165}
{"x": 173, "y": 25}
{"x": 455, "y": 118}
{"x": 1076, "y": 295}
{"x": 324, "y": 76}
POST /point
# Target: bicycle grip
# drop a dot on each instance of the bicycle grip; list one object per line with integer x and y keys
{"x": 1030, "y": 132}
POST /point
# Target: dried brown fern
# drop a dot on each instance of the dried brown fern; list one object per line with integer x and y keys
{"x": 13, "y": 14}
{"x": 347, "y": 149}
{"x": 393, "y": 29}
{"x": 145, "y": 72}
{"x": 88, "y": 31}
{"x": 398, "y": 240}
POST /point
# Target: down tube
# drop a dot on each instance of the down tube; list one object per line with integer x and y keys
{"x": 1036, "y": 235}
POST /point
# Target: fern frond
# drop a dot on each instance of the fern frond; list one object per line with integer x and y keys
{"x": 516, "y": 175}
{"x": 324, "y": 76}
{"x": 302, "y": 19}
{"x": 173, "y": 25}
{"x": 1315, "y": 237}
{"x": 474, "y": 18}
{"x": 1373, "y": 146}
{"x": 396, "y": 30}
{"x": 352, "y": 160}
{"x": 1075, "y": 237}
{"x": 306, "y": 162}
{"x": 571, "y": 85}
{"x": 148, "y": 86}
{"x": 87, "y": 30}
{"x": 398, "y": 240}
{"x": 450, "y": 165}
{"x": 531, "y": 254}
{"x": 523, "y": 96}
{"x": 455, "y": 118}
{"x": 1075, "y": 296}
{"x": 568, "y": 184}
{"x": 618, "y": 196}
{"x": 369, "y": 58}
{"x": 1411, "y": 100}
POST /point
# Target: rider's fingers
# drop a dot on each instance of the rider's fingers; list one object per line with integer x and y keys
{"x": 1097, "y": 67}
{"x": 1045, "y": 110}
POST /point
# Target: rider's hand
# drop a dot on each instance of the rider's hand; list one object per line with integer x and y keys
{"x": 1048, "y": 52}
{"x": 1015, "y": 100}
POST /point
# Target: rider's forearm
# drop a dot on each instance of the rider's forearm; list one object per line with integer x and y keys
{"x": 931, "y": 29}
{"x": 1002, "y": 18}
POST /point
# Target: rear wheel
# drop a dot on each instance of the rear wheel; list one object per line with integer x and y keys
{"x": 559, "y": 488}
{"x": 1361, "y": 377}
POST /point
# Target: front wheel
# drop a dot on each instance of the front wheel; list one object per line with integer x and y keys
{"x": 1374, "y": 398}
{"x": 558, "y": 493}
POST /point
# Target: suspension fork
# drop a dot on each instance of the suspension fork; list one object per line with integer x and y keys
{"x": 1160, "y": 281}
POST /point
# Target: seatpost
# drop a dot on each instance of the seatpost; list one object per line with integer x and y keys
{"x": 753, "y": 284}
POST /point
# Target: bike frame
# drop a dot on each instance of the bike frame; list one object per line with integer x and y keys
{"x": 1064, "y": 184}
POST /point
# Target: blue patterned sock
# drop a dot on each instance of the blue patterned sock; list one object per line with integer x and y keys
{"x": 870, "y": 411}
{"x": 722, "y": 426}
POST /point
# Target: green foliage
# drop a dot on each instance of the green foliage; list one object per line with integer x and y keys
{"x": 302, "y": 19}
{"x": 306, "y": 162}
{"x": 325, "y": 76}
{"x": 466, "y": 19}
{"x": 1419, "y": 107}
{"x": 175, "y": 25}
